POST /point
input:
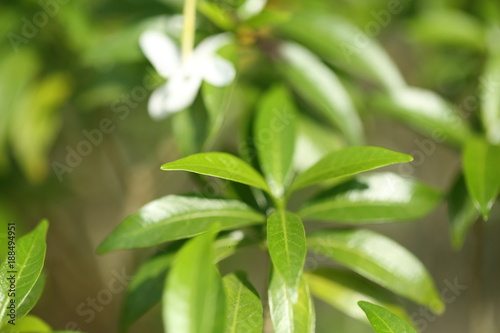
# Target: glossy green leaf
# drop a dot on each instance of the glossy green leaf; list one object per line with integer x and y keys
{"x": 175, "y": 217}
{"x": 461, "y": 211}
{"x": 275, "y": 138}
{"x": 426, "y": 111}
{"x": 481, "y": 162}
{"x": 384, "y": 321}
{"x": 193, "y": 298}
{"x": 286, "y": 240}
{"x": 344, "y": 289}
{"x": 381, "y": 260}
{"x": 30, "y": 257}
{"x": 347, "y": 162}
{"x": 290, "y": 313}
{"x": 221, "y": 165}
{"x": 378, "y": 197}
{"x": 344, "y": 45}
{"x": 490, "y": 99}
{"x": 321, "y": 88}
{"x": 313, "y": 142}
{"x": 280, "y": 304}
{"x": 304, "y": 315}
{"x": 450, "y": 27}
{"x": 243, "y": 305}
{"x": 145, "y": 289}
{"x": 33, "y": 297}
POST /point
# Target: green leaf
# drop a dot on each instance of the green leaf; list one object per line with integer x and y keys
{"x": 344, "y": 45}
{"x": 343, "y": 290}
{"x": 275, "y": 138}
{"x": 145, "y": 289}
{"x": 321, "y": 88}
{"x": 304, "y": 315}
{"x": 290, "y": 313}
{"x": 175, "y": 217}
{"x": 450, "y": 27}
{"x": 384, "y": 321}
{"x": 286, "y": 240}
{"x": 193, "y": 299}
{"x": 378, "y": 197}
{"x": 381, "y": 260}
{"x": 221, "y": 165}
{"x": 33, "y": 296}
{"x": 347, "y": 162}
{"x": 426, "y": 111}
{"x": 30, "y": 256}
{"x": 461, "y": 211}
{"x": 243, "y": 305}
{"x": 313, "y": 142}
{"x": 217, "y": 102}
{"x": 490, "y": 99}
{"x": 481, "y": 161}
{"x": 280, "y": 304}
{"x": 216, "y": 14}
{"x": 29, "y": 324}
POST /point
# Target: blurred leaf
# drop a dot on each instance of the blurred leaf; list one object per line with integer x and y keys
{"x": 36, "y": 124}
{"x": 461, "y": 211}
{"x": 378, "y": 197}
{"x": 275, "y": 138}
{"x": 17, "y": 70}
{"x": 221, "y": 165}
{"x": 381, "y": 260}
{"x": 243, "y": 305}
{"x": 304, "y": 315}
{"x": 313, "y": 142}
{"x": 384, "y": 321}
{"x": 29, "y": 324}
{"x": 321, "y": 88}
{"x": 30, "y": 257}
{"x": 216, "y": 15}
{"x": 347, "y": 162}
{"x": 344, "y": 45}
{"x": 193, "y": 299}
{"x": 427, "y": 112}
{"x": 175, "y": 217}
{"x": 146, "y": 287}
{"x": 449, "y": 27}
{"x": 343, "y": 290}
{"x": 286, "y": 240}
{"x": 490, "y": 99}
{"x": 481, "y": 161}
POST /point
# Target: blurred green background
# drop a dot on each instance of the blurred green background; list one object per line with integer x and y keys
{"x": 67, "y": 66}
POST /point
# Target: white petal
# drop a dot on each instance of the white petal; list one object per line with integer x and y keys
{"x": 211, "y": 44}
{"x": 218, "y": 71}
{"x": 174, "y": 96}
{"x": 251, "y": 8}
{"x": 161, "y": 51}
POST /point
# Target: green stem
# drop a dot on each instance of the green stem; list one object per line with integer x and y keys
{"x": 189, "y": 28}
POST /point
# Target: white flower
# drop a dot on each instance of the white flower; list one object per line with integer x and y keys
{"x": 184, "y": 76}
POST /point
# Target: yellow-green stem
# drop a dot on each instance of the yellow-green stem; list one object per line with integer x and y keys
{"x": 189, "y": 28}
